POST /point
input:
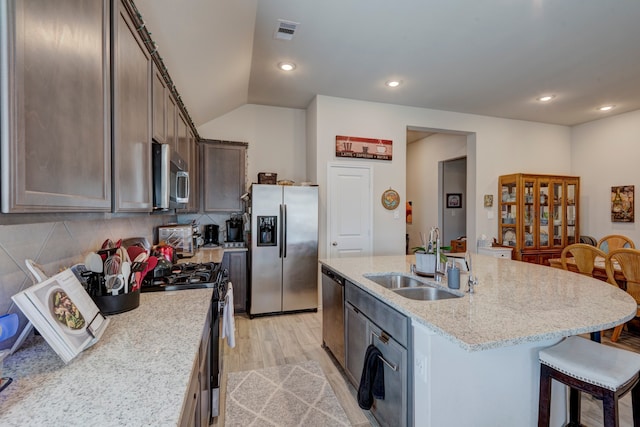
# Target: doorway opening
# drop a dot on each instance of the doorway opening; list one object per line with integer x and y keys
{"x": 440, "y": 184}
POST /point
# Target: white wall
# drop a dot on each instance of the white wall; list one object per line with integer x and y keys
{"x": 276, "y": 137}
{"x": 496, "y": 147}
{"x": 422, "y": 179}
{"x": 278, "y": 142}
{"x": 605, "y": 154}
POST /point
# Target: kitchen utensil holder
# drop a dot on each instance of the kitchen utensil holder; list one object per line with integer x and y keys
{"x": 115, "y": 304}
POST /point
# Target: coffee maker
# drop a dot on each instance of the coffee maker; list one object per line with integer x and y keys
{"x": 234, "y": 229}
{"x": 211, "y": 234}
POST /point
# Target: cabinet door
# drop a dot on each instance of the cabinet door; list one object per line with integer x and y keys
{"x": 356, "y": 342}
{"x": 172, "y": 132}
{"x": 236, "y": 263}
{"x": 223, "y": 180}
{"x": 392, "y": 410}
{"x": 132, "y": 119}
{"x": 182, "y": 140}
{"x": 57, "y": 122}
{"x": 191, "y": 408}
{"x": 194, "y": 173}
{"x": 159, "y": 100}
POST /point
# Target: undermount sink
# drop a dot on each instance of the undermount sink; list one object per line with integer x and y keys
{"x": 411, "y": 287}
{"x": 425, "y": 293}
{"x": 395, "y": 281}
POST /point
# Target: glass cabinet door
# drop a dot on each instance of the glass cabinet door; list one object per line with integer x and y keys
{"x": 529, "y": 212}
{"x": 545, "y": 205}
{"x": 508, "y": 213}
{"x": 558, "y": 214}
{"x": 570, "y": 203}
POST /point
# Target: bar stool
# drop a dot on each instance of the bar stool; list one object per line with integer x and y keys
{"x": 604, "y": 372}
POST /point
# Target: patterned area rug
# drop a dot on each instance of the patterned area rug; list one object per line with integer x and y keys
{"x": 286, "y": 395}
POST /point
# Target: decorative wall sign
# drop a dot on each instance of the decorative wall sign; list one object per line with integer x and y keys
{"x": 488, "y": 200}
{"x": 390, "y": 199}
{"x": 454, "y": 200}
{"x": 364, "y": 148}
{"x": 622, "y": 203}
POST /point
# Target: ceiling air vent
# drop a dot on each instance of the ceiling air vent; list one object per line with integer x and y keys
{"x": 286, "y": 29}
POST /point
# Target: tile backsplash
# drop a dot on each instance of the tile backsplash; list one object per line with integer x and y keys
{"x": 58, "y": 245}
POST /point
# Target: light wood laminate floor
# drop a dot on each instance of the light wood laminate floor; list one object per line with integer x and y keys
{"x": 291, "y": 338}
{"x": 277, "y": 340}
{"x": 592, "y": 408}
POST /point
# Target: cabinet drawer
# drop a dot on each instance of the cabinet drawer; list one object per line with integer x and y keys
{"x": 394, "y": 323}
{"x": 496, "y": 252}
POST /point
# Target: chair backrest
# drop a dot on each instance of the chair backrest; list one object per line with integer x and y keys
{"x": 584, "y": 256}
{"x": 629, "y": 261}
{"x": 615, "y": 241}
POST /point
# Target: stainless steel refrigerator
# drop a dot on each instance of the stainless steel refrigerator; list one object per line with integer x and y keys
{"x": 284, "y": 249}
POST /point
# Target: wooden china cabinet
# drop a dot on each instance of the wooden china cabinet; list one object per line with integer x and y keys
{"x": 539, "y": 215}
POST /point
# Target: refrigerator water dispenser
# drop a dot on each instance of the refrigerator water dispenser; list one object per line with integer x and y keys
{"x": 267, "y": 227}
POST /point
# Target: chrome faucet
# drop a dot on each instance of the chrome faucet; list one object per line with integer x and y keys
{"x": 472, "y": 281}
{"x": 434, "y": 235}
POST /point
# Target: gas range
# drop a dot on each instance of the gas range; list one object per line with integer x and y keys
{"x": 190, "y": 276}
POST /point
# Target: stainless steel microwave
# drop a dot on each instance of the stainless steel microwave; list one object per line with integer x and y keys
{"x": 170, "y": 178}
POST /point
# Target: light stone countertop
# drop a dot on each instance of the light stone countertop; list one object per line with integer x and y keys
{"x": 136, "y": 375}
{"x": 514, "y": 302}
{"x": 210, "y": 254}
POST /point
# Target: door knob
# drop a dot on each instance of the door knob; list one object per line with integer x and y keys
{"x": 334, "y": 244}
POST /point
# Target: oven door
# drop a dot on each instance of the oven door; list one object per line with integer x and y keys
{"x": 215, "y": 370}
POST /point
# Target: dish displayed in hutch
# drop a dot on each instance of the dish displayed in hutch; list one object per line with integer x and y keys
{"x": 539, "y": 215}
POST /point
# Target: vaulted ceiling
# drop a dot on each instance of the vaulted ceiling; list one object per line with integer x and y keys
{"x": 491, "y": 57}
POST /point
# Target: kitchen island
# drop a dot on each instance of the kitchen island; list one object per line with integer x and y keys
{"x": 137, "y": 374}
{"x": 474, "y": 358}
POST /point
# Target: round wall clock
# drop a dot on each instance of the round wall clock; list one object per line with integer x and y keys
{"x": 390, "y": 199}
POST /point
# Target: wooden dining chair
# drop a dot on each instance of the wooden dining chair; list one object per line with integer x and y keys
{"x": 629, "y": 261}
{"x": 584, "y": 256}
{"x": 615, "y": 241}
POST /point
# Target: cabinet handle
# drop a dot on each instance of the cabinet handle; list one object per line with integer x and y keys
{"x": 384, "y": 338}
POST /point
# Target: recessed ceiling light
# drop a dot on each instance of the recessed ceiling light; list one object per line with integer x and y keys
{"x": 545, "y": 98}
{"x": 393, "y": 83}
{"x": 287, "y": 66}
{"x": 606, "y": 108}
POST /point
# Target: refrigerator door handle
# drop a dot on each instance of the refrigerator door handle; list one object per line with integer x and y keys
{"x": 281, "y": 231}
{"x": 284, "y": 231}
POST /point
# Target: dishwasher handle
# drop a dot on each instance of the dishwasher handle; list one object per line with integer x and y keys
{"x": 333, "y": 276}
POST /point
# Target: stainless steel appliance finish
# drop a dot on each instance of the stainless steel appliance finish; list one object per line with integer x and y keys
{"x": 170, "y": 178}
{"x": 284, "y": 249}
{"x": 333, "y": 313}
{"x": 180, "y": 236}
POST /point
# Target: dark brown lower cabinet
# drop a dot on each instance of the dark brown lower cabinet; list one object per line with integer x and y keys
{"x": 236, "y": 263}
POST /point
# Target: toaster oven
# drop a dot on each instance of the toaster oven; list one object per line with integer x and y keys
{"x": 180, "y": 237}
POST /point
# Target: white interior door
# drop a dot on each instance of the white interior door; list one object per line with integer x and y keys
{"x": 349, "y": 199}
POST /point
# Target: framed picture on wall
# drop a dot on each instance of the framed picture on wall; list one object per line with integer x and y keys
{"x": 454, "y": 200}
{"x": 622, "y": 203}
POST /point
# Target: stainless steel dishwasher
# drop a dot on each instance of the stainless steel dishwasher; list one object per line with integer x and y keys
{"x": 333, "y": 313}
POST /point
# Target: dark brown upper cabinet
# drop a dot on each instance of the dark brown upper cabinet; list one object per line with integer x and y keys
{"x": 56, "y": 120}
